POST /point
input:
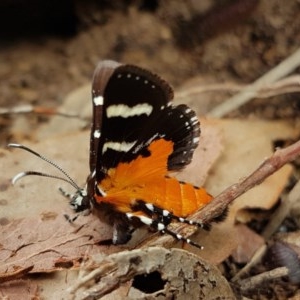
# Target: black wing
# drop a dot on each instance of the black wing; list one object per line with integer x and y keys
{"x": 132, "y": 108}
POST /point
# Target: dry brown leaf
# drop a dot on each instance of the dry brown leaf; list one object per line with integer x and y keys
{"x": 209, "y": 150}
{"x": 248, "y": 242}
{"x": 50, "y": 245}
{"x": 246, "y": 144}
{"x": 34, "y": 230}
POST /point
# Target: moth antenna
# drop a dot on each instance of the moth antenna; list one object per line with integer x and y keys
{"x": 23, "y": 174}
{"x": 27, "y": 173}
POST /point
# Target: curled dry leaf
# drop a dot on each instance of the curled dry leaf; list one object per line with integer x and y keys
{"x": 154, "y": 272}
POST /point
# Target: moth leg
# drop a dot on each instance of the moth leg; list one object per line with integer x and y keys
{"x": 122, "y": 232}
{"x": 79, "y": 202}
{"x": 166, "y": 216}
{"x": 152, "y": 223}
{"x": 159, "y": 226}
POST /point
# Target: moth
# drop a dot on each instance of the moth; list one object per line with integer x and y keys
{"x": 138, "y": 138}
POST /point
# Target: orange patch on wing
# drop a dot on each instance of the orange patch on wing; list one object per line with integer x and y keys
{"x": 145, "y": 179}
{"x": 182, "y": 199}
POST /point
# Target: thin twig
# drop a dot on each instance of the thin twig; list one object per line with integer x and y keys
{"x": 43, "y": 110}
{"x": 252, "y": 282}
{"x": 259, "y": 253}
{"x": 287, "y": 85}
{"x": 281, "y": 70}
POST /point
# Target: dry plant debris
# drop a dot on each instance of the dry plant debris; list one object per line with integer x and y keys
{"x": 64, "y": 245}
{"x": 47, "y": 243}
{"x": 172, "y": 270}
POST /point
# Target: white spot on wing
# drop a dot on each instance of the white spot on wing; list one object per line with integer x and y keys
{"x": 160, "y": 226}
{"x": 101, "y": 192}
{"x": 196, "y": 140}
{"x": 150, "y": 206}
{"x": 97, "y": 134}
{"x": 125, "y": 111}
{"x": 165, "y": 213}
{"x": 129, "y": 215}
{"x": 121, "y": 147}
{"x": 145, "y": 220}
{"x": 148, "y": 142}
{"x": 98, "y": 100}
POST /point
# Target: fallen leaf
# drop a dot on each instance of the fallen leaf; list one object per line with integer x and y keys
{"x": 246, "y": 144}
{"x": 209, "y": 150}
{"x": 46, "y": 244}
{"x": 248, "y": 242}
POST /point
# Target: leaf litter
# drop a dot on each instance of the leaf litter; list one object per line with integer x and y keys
{"x": 49, "y": 243}
{"x": 43, "y": 241}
